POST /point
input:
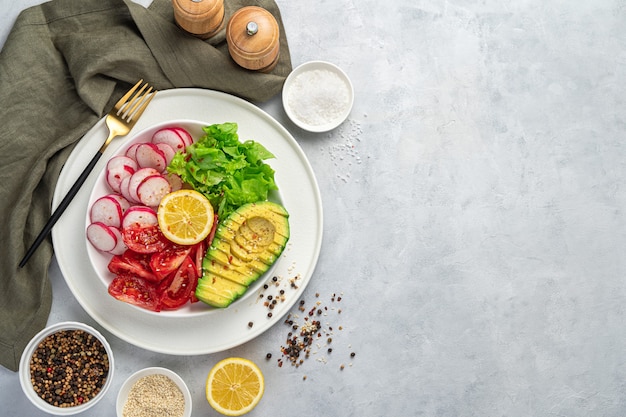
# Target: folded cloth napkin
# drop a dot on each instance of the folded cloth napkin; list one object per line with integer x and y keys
{"x": 62, "y": 67}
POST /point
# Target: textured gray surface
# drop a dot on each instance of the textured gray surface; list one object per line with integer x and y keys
{"x": 474, "y": 218}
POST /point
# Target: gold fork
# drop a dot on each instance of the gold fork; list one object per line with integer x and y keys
{"x": 120, "y": 121}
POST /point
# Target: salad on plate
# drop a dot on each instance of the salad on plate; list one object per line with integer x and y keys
{"x": 187, "y": 220}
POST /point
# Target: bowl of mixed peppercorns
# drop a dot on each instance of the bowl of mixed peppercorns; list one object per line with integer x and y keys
{"x": 66, "y": 368}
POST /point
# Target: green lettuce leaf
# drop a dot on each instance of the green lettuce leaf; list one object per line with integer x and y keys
{"x": 228, "y": 172}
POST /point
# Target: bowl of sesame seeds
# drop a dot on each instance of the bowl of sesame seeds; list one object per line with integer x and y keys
{"x": 66, "y": 368}
{"x": 154, "y": 391}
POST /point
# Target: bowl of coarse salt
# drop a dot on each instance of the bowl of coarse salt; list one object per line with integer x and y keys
{"x": 318, "y": 96}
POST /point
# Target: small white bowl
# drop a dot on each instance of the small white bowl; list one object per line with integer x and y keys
{"x": 24, "y": 369}
{"x": 318, "y": 96}
{"x": 122, "y": 396}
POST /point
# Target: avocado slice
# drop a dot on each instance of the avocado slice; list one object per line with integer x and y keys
{"x": 222, "y": 292}
{"x": 246, "y": 244}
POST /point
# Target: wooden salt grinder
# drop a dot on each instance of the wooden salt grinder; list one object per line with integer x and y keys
{"x": 253, "y": 39}
{"x": 201, "y": 18}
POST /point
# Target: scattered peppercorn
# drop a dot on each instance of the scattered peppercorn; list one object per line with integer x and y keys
{"x": 250, "y": 324}
{"x": 306, "y": 341}
{"x": 268, "y": 356}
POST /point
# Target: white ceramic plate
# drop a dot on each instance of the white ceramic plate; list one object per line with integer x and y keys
{"x": 219, "y": 329}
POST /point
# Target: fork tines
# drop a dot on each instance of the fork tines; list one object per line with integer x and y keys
{"x": 128, "y": 108}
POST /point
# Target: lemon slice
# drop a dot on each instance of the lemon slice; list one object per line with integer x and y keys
{"x": 234, "y": 386}
{"x": 185, "y": 217}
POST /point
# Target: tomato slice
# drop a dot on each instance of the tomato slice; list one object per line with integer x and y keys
{"x": 133, "y": 263}
{"x": 209, "y": 238}
{"x": 167, "y": 261}
{"x": 135, "y": 291}
{"x": 144, "y": 238}
{"x": 178, "y": 288}
{"x": 199, "y": 251}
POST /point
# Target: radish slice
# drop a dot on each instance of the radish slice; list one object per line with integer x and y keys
{"x": 131, "y": 152}
{"x": 170, "y": 136}
{"x": 117, "y": 168}
{"x": 125, "y": 191}
{"x": 121, "y": 247}
{"x": 140, "y": 215}
{"x": 184, "y": 134}
{"x": 150, "y": 156}
{"x": 115, "y": 175}
{"x": 136, "y": 179}
{"x": 121, "y": 161}
{"x": 101, "y": 237}
{"x": 106, "y": 210}
{"x": 175, "y": 181}
{"x": 153, "y": 189}
{"x": 168, "y": 152}
{"x": 124, "y": 203}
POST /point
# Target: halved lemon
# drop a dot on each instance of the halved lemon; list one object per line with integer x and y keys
{"x": 185, "y": 216}
{"x": 234, "y": 386}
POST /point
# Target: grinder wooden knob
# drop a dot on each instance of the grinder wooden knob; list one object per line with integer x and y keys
{"x": 201, "y": 18}
{"x": 253, "y": 39}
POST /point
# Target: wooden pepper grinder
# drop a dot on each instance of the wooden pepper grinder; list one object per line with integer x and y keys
{"x": 201, "y": 18}
{"x": 253, "y": 40}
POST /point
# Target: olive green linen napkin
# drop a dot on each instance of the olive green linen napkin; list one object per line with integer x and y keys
{"x": 63, "y": 65}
